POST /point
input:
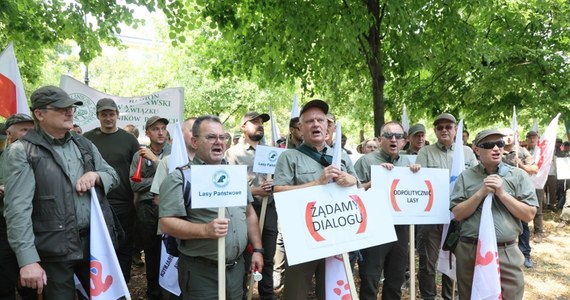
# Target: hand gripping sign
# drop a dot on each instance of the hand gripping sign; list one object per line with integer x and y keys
{"x": 414, "y": 198}
{"x": 326, "y": 220}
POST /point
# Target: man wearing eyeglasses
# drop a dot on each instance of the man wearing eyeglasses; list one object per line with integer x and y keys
{"x": 391, "y": 258}
{"x": 199, "y": 229}
{"x": 49, "y": 172}
{"x": 514, "y": 200}
{"x": 438, "y": 155}
{"x": 118, "y": 148}
{"x": 310, "y": 165}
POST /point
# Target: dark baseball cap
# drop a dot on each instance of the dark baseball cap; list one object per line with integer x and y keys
{"x": 18, "y": 118}
{"x": 293, "y": 122}
{"x": 485, "y": 133}
{"x": 444, "y": 116}
{"x": 531, "y": 133}
{"x": 416, "y": 128}
{"x": 52, "y": 96}
{"x": 106, "y": 104}
{"x": 251, "y": 115}
{"x": 153, "y": 120}
{"x": 318, "y": 103}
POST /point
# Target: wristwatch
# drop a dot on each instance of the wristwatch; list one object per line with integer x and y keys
{"x": 258, "y": 250}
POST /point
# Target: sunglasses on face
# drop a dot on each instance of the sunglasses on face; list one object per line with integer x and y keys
{"x": 446, "y": 127}
{"x": 390, "y": 135}
{"x": 491, "y": 145}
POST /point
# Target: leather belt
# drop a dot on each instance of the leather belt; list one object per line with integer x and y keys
{"x": 471, "y": 240}
{"x": 229, "y": 265}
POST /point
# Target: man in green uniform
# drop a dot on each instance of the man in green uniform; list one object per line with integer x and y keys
{"x": 17, "y": 125}
{"x": 199, "y": 229}
{"x": 147, "y": 210}
{"x": 391, "y": 258}
{"x": 417, "y": 138}
{"x": 118, "y": 148}
{"x": 48, "y": 173}
{"x": 514, "y": 200}
{"x": 297, "y": 169}
{"x": 438, "y": 155}
{"x": 243, "y": 153}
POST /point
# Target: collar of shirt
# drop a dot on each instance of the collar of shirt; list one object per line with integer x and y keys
{"x": 246, "y": 146}
{"x": 442, "y": 147}
{"x": 197, "y": 161}
{"x": 386, "y": 157}
{"x": 55, "y": 141}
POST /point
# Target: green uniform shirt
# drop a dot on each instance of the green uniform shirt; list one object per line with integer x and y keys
{"x": 362, "y": 165}
{"x": 172, "y": 205}
{"x": 296, "y": 168}
{"x": 20, "y": 187}
{"x": 148, "y": 170}
{"x": 438, "y": 156}
{"x": 244, "y": 154}
{"x": 516, "y": 183}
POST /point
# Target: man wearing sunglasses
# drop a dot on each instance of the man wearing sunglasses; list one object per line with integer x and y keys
{"x": 438, "y": 155}
{"x": 391, "y": 258}
{"x": 49, "y": 172}
{"x": 514, "y": 200}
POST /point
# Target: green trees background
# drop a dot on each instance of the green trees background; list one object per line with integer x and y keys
{"x": 476, "y": 59}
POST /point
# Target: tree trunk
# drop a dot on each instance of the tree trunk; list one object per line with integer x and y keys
{"x": 375, "y": 66}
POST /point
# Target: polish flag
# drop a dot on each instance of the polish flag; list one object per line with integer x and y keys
{"x": 107, "y": 281}
{"x": 12, "y": 94}
{"x": 486, "y": 276}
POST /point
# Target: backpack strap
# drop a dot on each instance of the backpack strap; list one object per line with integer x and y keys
{"x": 185, "y": 171}
{"x": 322, "y": 158}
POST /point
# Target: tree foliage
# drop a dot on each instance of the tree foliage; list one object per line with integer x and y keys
{"x": 475, "y": 59}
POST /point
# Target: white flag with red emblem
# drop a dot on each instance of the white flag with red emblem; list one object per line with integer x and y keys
{"x": 486, "y": 276}
{"x": 12, "y": 93}
{"x": 543, "y": 153}
{"x": 107, "y": 281}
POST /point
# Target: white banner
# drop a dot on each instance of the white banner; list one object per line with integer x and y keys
{"x": 563, "y": 168}
{"x": 327, "y": 220}
{"x": 415, "y": 198}
{"x": 266, "y": 159}
{"x": 168, "y": 104}
{"x": 219, "y": 186}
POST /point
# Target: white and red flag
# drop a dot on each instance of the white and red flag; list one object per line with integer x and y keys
{"x": 12, "y": 93}
{"x": 486, "y": 276}
{"x": 543, "y": 153}
{"x": 107, "y": 281}
{"x": 336, "y": 280}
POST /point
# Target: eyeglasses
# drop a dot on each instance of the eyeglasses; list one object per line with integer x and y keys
{"x": 212, "y": 138}
{"x": 390, "y": 135}
{"x": 63, "y": 109}
{"x": 491, "y": 145}
{"x": 446, "y": 127}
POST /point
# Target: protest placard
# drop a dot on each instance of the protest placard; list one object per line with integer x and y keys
{"x": 327, "y": 220}
{"x": 414, "y": 198}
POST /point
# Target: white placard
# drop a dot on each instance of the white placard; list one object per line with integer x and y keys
{"x": 563, "y": 167}
{"x": 266, "y": 159}
{"x": 327, "y": 220}
{"x": 219, "y": 186}
{"x": 413, "y": 198}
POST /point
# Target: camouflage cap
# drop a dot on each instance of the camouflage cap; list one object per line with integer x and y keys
{"x": 18, "y": 118}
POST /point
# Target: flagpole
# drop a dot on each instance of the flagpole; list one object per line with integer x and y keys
{"x": 349, "y": 276}
{"x": 221, "y": 260}
{"x": 413, "y": 263}
{"x": 261, "y": 224}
